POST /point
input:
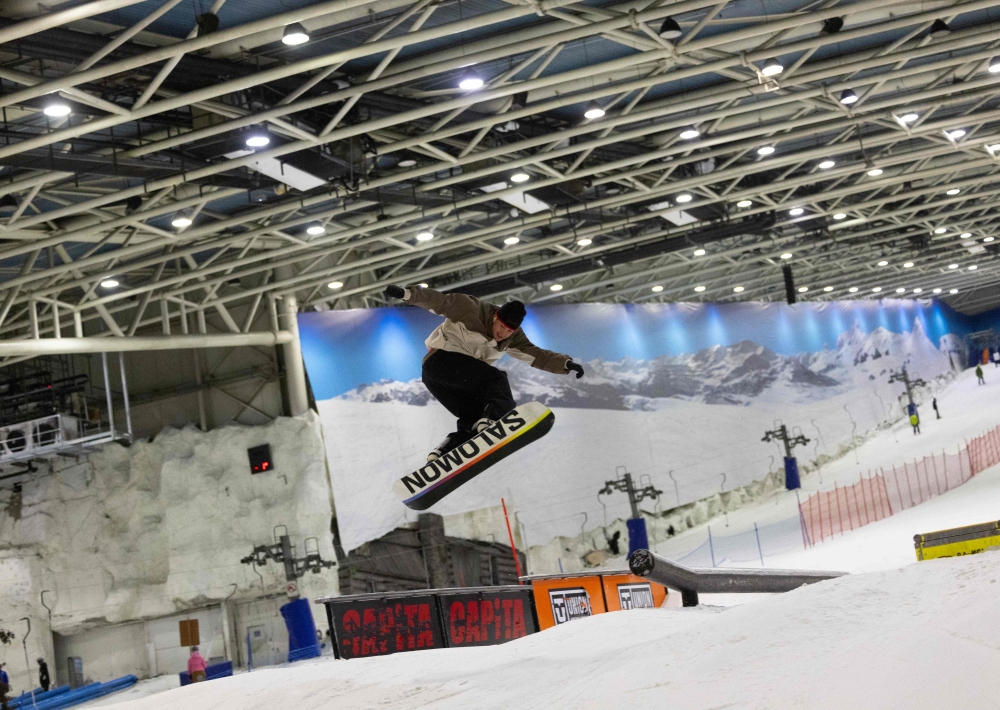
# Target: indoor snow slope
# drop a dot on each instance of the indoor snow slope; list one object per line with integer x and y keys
{"x": 925, "y": 636}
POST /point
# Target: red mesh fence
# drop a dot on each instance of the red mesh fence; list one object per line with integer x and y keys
{"x": 883, "y": 493}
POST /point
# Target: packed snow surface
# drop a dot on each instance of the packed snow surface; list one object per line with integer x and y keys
{"x": 920, "y": 637}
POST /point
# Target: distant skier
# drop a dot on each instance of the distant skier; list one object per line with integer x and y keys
{"x": 457, "y": 368}
{"x": 934, "y": 404}
{"x": 915, "y": 422}
{"x": 996, "y": 358}
{"x": 979, "y": 374}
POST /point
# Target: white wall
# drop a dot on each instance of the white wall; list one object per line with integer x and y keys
{"x": 158, "y": 529}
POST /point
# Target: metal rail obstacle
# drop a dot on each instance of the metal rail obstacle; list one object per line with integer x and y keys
{"x": 690, "y": 582}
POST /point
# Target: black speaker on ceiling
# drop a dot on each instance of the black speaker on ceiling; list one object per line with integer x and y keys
{"x": 789, "y": 284}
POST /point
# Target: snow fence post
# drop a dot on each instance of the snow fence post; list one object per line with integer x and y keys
{"x": 711, "y": 549}
{"x": 759, "y": 550}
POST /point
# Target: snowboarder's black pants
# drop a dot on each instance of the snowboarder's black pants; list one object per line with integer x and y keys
{"x": 468, "y": 388}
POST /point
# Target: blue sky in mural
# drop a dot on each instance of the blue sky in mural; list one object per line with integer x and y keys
{"x": 344, "y": 349}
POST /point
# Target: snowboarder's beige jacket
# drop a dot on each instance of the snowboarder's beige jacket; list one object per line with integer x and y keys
{"x": 468, "y": 329}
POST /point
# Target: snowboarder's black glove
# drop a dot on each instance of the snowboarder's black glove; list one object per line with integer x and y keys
{"x": 574, "y": 367}
{"x": 394, "y": 292}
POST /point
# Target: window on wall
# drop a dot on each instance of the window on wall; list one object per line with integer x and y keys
{"x": 189, "y": 632}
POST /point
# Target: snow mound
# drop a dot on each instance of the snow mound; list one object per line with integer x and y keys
{"x": 921, "y": 637}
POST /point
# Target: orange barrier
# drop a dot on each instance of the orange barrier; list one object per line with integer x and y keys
{"x": 564, "y": 597}
{"x": 828, "y": 513}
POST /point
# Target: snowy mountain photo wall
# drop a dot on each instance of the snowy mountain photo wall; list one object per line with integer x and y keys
{"x": 677, "y": 394}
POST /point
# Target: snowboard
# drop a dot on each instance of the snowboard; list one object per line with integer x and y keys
{"x": 514, "y": 430}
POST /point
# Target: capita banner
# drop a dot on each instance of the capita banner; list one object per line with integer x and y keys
{"x": 676, "y": 393}
{"x": 379, "y": 627}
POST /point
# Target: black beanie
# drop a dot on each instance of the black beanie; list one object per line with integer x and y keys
{"x": 512, "y": 314}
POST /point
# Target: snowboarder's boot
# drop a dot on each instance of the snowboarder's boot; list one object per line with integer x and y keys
{"x": 482, "y": 424}
{"x": 452, "y": 441}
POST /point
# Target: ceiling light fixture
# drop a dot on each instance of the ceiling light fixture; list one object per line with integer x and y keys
{"x": 883, "y": 263}
{"x": 57, "y": 109}
{"x": 953, "y": 191}
{"x": 690, "y": 134}
{"x": 471, "y": 82}
{"x": 848, "y": 97}
{"x": 826, "y": 164}
{"x": 876, "y": 289}
{"x": 765, "y": 150}
{"x": 407, "y": 163}
{"x": 738, "y": 289}
{"x": 988, "y": 239}
{"x": 995, "y": 65}
{"x": 316, "y": 229}
{"x": 180, "y": 221}
{"x": 828, "y": 288}
{"x": 900, "y": 290}
{"x": 699, "y": 252}
{"x": 257, "y": 138}
{"x": 657, "y": 289}
{"x": 109, "y": 283}
{"x": 973, "y": 267}
{"x": 803, "y": 289}
{"x": 593, "y": 111}
{"x": 745, "y": 203}
{"x": 683, "y": 197}
{"x": 294, "y": 34}
{"x": 425, "y": 236}
{"x": 875, "y": 172}
{"x": 918, "y": 290}
{"x": 786, "y": 255}
{"x": 796, "y": 211}
{"x": 937, "y": 290}
{"x": 670, "y": 29}
{"x": 511, "y": 240}
{"x": 555, "y": 287}
{"x": 584, "y": 242}
{"x": 909, "y": 117}
{"x": 335, "y": 285}
{"x": 840, "y": 215}
{"x": 772, "y": 67}
{"x": 908, "y": 264}
{"x": 955, "y": 133}
{"x": 952, "y": 266}
{"x": 853, "y": 289}
{"x": 520, "y": 177}
{"x": 965, "y": 235}
{"x": 422, "y": 285}
{"x": 953, "y": 291}
{"x": 940, "y": 230}
{"x": 699, "y": 289}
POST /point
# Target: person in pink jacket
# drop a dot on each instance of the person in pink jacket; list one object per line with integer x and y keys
{"x": 196, "y": 665}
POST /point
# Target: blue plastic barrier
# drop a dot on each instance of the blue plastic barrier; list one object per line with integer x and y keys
{"x": 637, "y": 538}
{"x": 792, "y": 473}
{"x": 85, "y": 693}
{"x": 215, "y": 670}
{"x": 302, "y": 641}
{"x": 40, "y": 695}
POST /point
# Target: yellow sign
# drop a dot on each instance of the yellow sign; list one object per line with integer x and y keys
{"x": 956, "y": 542}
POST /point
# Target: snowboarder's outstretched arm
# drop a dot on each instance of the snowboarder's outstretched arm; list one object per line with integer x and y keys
{"x": 526, "y": 351}
{"x": 456, "y": 307}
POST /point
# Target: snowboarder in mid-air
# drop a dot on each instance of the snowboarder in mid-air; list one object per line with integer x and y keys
{"x": 458, "y": 369}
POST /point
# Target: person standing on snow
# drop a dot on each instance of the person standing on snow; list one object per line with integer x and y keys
{"x": 934, "y": 404}
{"x": 458, "y": 369}
{"x": 979, "y": 374}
